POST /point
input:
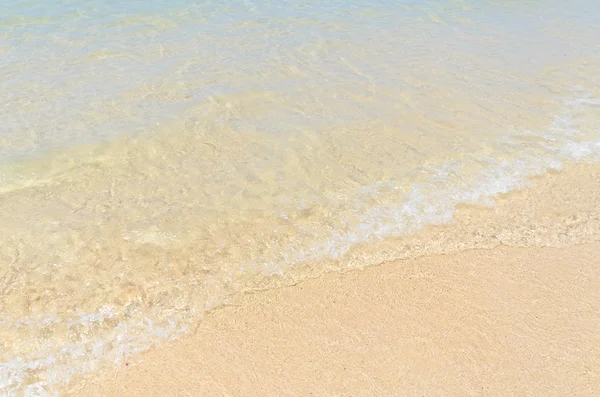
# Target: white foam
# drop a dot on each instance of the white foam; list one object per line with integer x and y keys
{"x": 560, "y": 144}
{"x": 54, "y": 366}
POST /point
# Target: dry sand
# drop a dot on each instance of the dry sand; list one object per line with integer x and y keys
{"x": 499, "y": 322}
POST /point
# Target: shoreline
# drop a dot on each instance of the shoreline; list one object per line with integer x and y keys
{"x": 506, "y": 321}
{"x": 175, "y": 175}
{"x": 501, "y": 316}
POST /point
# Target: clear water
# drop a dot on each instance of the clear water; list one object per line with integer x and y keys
{"x": 159, "y": 157}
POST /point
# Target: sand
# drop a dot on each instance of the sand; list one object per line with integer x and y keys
{"x": 513, "y": 317}
{"x": 505, "y": 321}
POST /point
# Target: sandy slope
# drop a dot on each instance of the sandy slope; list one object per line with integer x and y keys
{"x": 506, "y": 321}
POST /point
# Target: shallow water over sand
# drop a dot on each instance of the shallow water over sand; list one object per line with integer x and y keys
{"x": 158, "y": 158}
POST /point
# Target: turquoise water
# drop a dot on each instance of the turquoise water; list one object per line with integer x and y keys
{"x": 77, "y": 72}
{"x": 159, "y": 158}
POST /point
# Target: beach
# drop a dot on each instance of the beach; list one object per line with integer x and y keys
{"x": 505, "y": 320}
{"x": 509, "y": 321}
{"x": 177, "y": 176}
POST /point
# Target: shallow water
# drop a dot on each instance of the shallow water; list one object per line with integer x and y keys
{"x": 157, "y": 158}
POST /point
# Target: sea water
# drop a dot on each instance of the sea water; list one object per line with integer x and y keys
{"x": 158, "y": 158}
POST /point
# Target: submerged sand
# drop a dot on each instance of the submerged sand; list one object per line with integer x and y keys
{"x": 507, "y": 321}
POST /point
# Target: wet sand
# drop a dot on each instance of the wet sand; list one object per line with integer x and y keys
{"x": 506, "y": 321}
